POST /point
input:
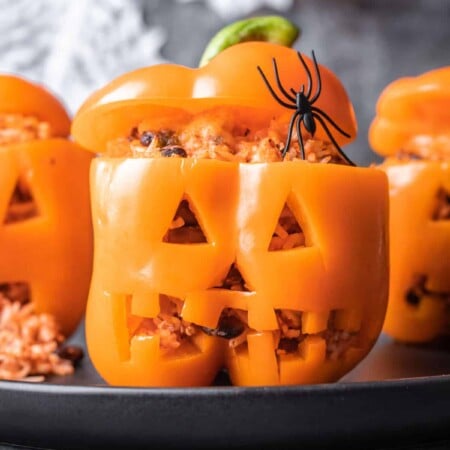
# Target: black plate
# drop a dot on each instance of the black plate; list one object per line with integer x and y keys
{"x": 398, "y": 394}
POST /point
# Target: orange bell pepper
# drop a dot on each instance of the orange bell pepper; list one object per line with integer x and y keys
{"x": 412, "y": 129}
{"x": 341, "y": 272}
{"x": 52, "y": 250}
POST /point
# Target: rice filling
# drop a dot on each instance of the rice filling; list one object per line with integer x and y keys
{"x": 30, "y": 342}
{"x": 219, "y": 134}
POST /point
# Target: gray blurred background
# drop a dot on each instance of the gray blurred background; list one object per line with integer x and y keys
{"x": 77, "y": 46}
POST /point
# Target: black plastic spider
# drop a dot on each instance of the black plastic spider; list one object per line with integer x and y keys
{"x": 303, "y": 104}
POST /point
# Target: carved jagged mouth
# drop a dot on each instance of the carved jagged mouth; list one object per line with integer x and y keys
{"x": 336, "y": 331}
{"x": 419, "y": 290}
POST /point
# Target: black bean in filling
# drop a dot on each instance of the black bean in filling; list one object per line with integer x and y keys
{"x": 173, "y": 151}
{"x": 146, "y": 138}
{"x": 163, "y": 137}
{"x": 229, "y": 327}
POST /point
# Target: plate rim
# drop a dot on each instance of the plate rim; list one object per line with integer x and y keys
{"x": 57, "y": 388}
{"x": 360, "y": 413}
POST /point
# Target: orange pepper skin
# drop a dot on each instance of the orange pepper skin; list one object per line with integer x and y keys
{"x": 231, "y": 78}
{"x": 52, "y": 252}
{"x": 413, "y": 115}
{"x": 343, "y": 212}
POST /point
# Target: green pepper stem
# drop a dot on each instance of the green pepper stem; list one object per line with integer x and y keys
{"x": 275, "y": 29}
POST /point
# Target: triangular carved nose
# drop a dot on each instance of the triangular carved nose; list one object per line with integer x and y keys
{"x": 234, "y": 280}
{"x": 22, "y": 205}
{"x": 185, "y": 228}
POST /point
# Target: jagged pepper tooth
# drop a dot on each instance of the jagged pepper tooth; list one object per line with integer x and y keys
{"x": 46, "y": 231}
{"x": 412, "y": 130}
{"x": 335, "y": 283}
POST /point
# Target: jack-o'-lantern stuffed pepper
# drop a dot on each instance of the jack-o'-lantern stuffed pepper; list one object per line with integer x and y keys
{"x": 230, "y": 230}
{"x": 45, "y": 230}
{"x": 412, "y": 130}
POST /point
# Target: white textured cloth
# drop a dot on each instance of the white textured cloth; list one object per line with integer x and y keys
{"x": 232, "y": 9}
{"x": 74, "y": 47}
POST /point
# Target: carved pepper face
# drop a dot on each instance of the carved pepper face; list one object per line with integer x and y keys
{"x": 334, "y": 284}
{"x": 411, "y": 128}
{"x": 46, "y": 232}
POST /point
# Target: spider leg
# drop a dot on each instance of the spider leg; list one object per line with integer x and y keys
{"x": 289, "y": 134}
{"x": 308, "y": 73}
{"x": 274, "y": 94}
{"x": 319, "y": 81}
{"x": 302, "y": 90}
{"x": 300, "y": 138}
{"x": 280, "y": 86}
{"x": 332, "y": 122}
{"x": 330, "y": 136}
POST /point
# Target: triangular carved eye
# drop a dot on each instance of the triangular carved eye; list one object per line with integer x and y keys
{"x": 22, "y": 205}
{"x": 441, "y": 210}
{"x": 288, "y": 232}
{"x": 185, "y": 228}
